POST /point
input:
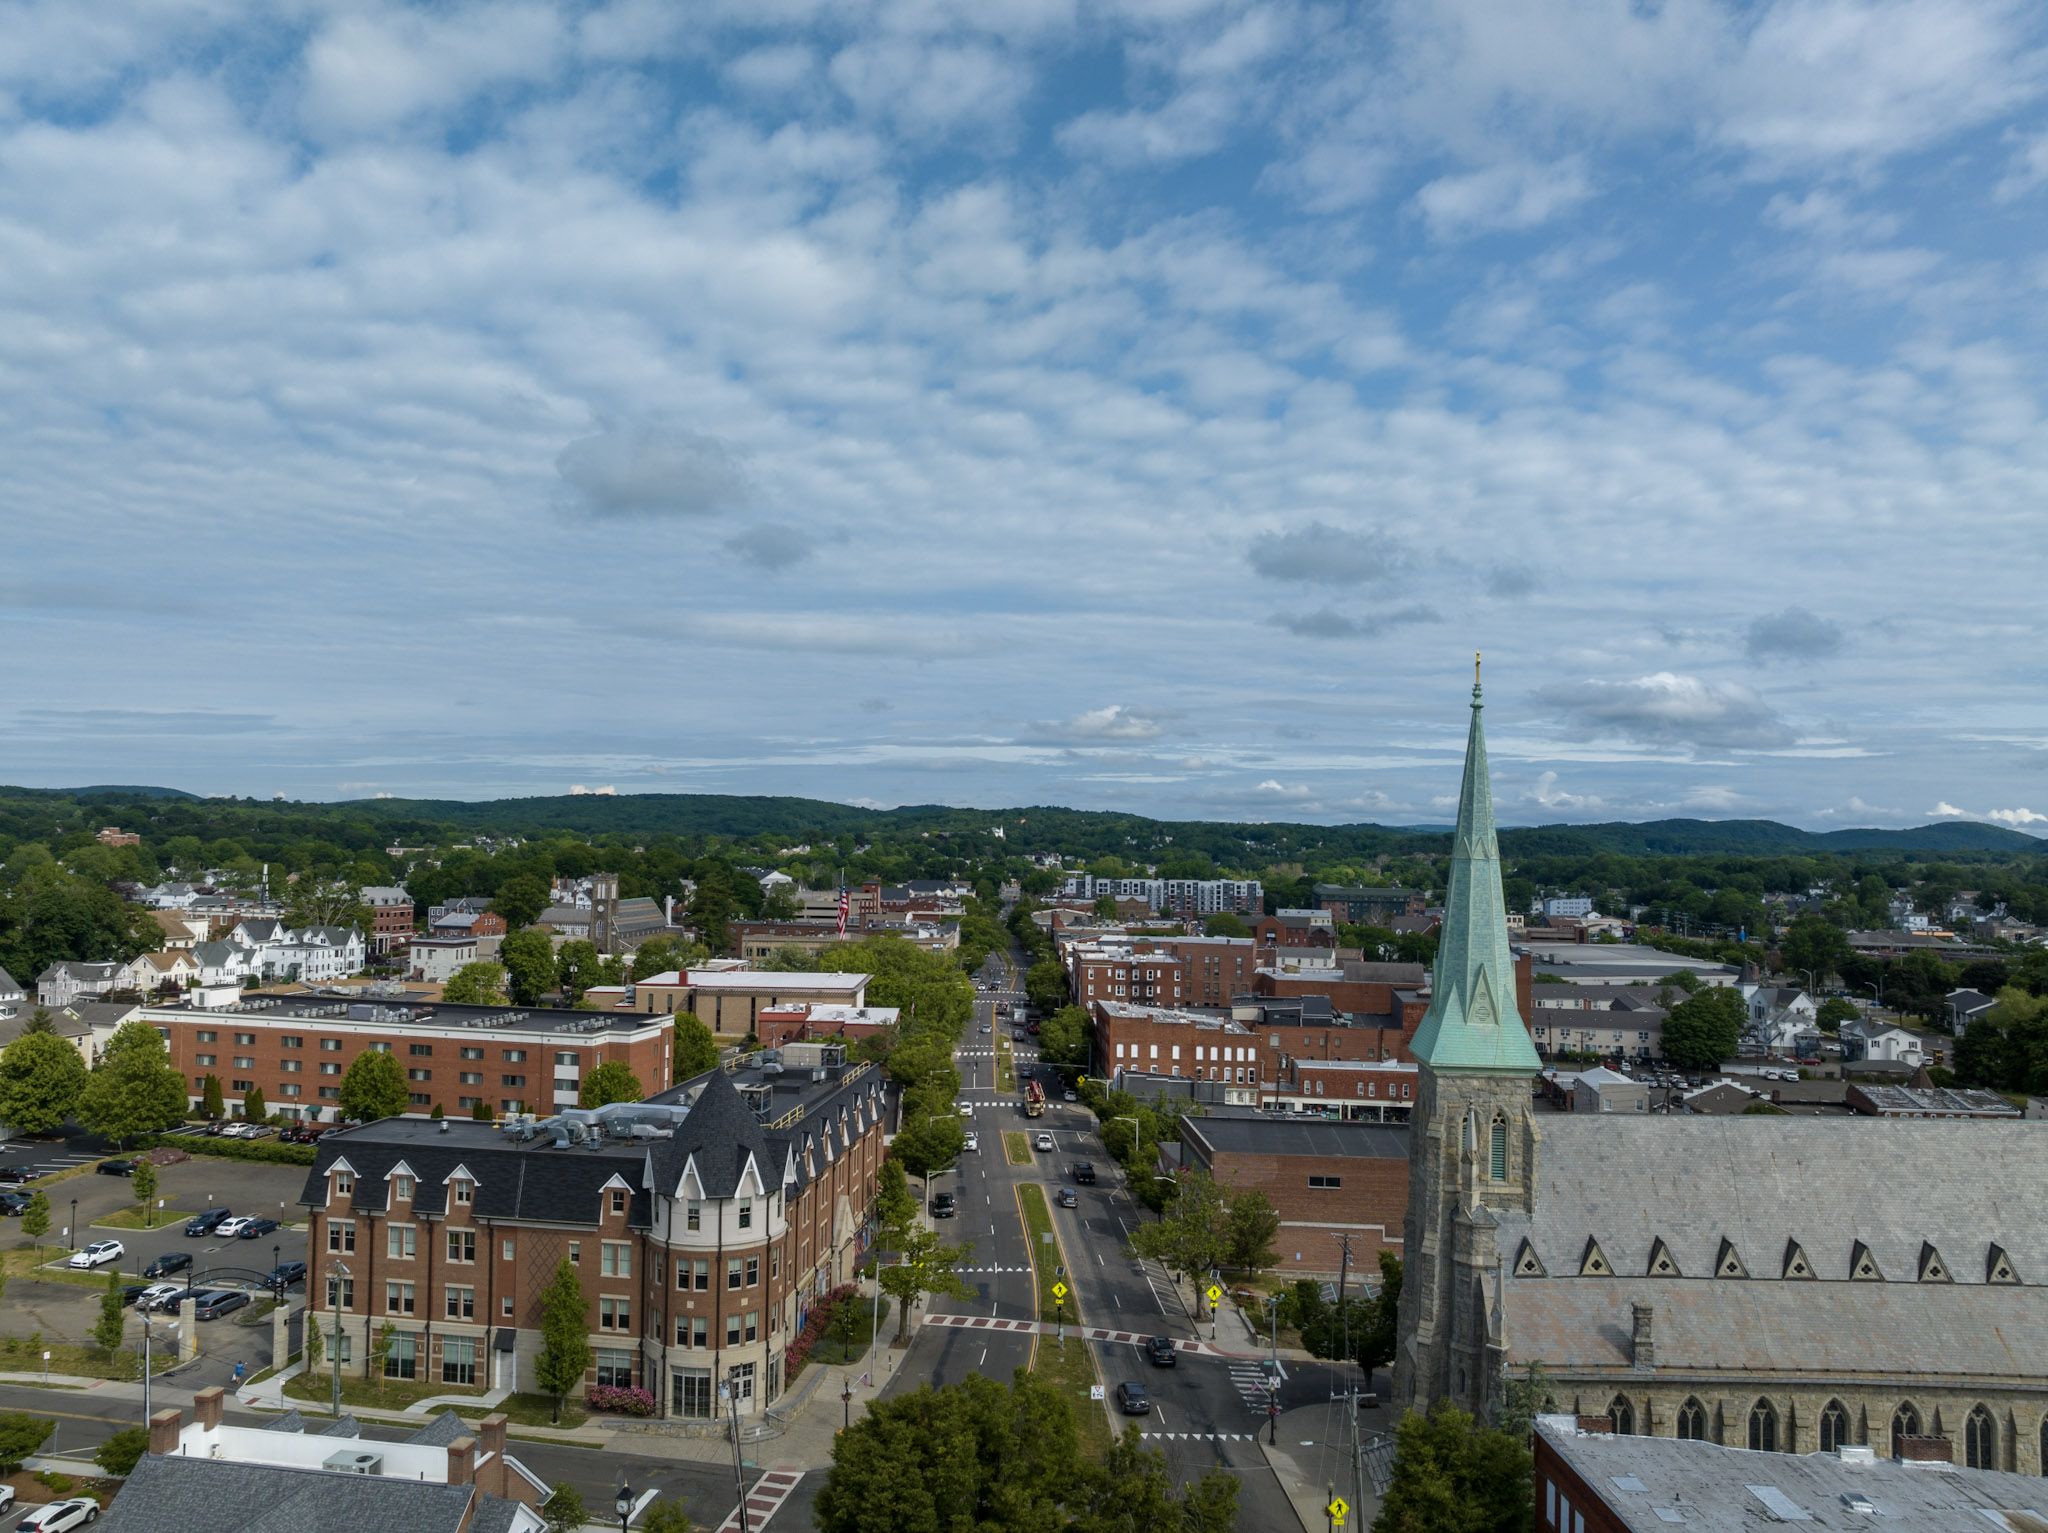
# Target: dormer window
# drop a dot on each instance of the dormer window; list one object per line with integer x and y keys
{"x": 693, "y": 1217}
{"x": 401, "y": 1189}
{"x": 618, "y": 1200}
{"x": 746, "y": 1213}
{"x": 344, "y": 1183}
{"x": 464, "y": 1190}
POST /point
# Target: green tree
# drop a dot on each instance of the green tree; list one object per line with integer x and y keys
{"x": 143, "y": 1185}
{"x": 565, "y": 1511}
{"x": 666, "y": 1517}
{"x": 134, "y": 1090}
{"x": 2006, "y": 1049}
{"x": 119, "y": 1454}
{"x": 924, "y": 1264}
{"x": 1045, "y": 982}
{"x": 929, "y": 1143}
{"x": 211, "y": 1101}
{"x": 1522, "y": 1401}
{"x": 577, "y": 968}
{"x": 1132, "y": 1488}
{"x": 1188, "y": 1235}
{"x": 375, "y": 1087}
{"x": 476, "y": 984}
{"x": 1833, "y": 1012}
{"x": 1065, "y": 1037}
{"x": 895, "y": 1204}
{"x": 316, "y": 1340}
{"x": 696, "y": 1048}
{"x": 564, "y": 1336}
{"x": 1225, "y": 924}
{"x": 612, "y": 1081}
{"x": 112, "y": 1324}
{"x": 1704, "y": 1029}
{"x": 481, "y": 1112}
{"x": 1814, "y": 943}
{"x": 42, "y": 1080}
{"x": 380, "y": 1349}
{"x": 1105, "y": 907}
{"x": 35, "y": 1221}
{"x": 520, "y": 900}
{"x": 327, "y": 902}
{"x": 1376, "y": 1348}
{"x": 529, "y": 958}
{"x": 439, "y": 1112}
{"x": 20, "y": 1435}
{"x": 254, "y": 1108}
{"x": 1249, "y": 1231}
{"x": 1453, "y": 1476}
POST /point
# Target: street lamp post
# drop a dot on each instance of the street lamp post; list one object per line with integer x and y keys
{"x": 726, "y": 1391}
{"x": 337, "y": 1272}
{"x": 71, "y": 1235}
{"x": 1273, "y": 1382}
{"x": 624, "y": 1505}
{"x": 846, "y": 1401}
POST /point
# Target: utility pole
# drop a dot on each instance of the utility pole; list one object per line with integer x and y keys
{"x": 1273, "y": 1381}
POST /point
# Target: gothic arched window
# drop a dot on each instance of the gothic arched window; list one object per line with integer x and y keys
{"x": 1763, "y": 1427}
{"x": 1980, "y": 1440}
{"x": 1905, "y": 1423}
{"x": 1834, "y": 1426}
{"x": 1623, "y": 1415}
{"x": 1692, "y": 1421}
{"x": 1497, "y": 1149}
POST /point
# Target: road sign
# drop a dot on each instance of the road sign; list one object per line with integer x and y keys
{"x": 1059, "y": 1290}
{"x": 1095, "y": 1391}
{"x": 1337, "y": 1508}
{"x": 1215, "y": 1294}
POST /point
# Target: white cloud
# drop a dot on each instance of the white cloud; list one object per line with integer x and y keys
{"x": 373, "y": 69}
{"x": 1320, "y": 554}
{"x": 1501, "y": 197}
{"x": 2017, "y": 818}
{"x": 1666, "y": 709}
{"x": 641, "y": 467}
{"x": 1113, "y": 723}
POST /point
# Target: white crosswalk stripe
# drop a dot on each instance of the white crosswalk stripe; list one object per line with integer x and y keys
{"x": 1200, "y": 1437}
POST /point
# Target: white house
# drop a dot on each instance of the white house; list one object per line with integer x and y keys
{"x": 63, "y": 983}
{"x": 312, "y": 955}
{"x": 150, "y": 972}
{"x": 12, "y": 996}
{"x": 1782, "y": 1019}
{"x": 1868, "y": 1038}
{"x": 225, "y": 963}
{"x": 435, "y": 959}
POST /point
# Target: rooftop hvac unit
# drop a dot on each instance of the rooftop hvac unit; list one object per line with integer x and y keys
{"x": 350, "y": 1461}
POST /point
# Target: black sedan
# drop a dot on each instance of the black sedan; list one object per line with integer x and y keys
{"x": 15, "y": 1203}
{"x": 115, "y": 1168}
{"x": 942, "y": 1205}
{"x": 285, "y": 1275}
{"x": 1132, "y": 1400}
{"x": 208, "y": 1222}
{"x": 169, "y": 1262}
{"x": 256, "y": 1228}
{"x": 1162, "y": 1351}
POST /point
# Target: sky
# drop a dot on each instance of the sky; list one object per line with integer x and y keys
{"x": 1146, "y": 405}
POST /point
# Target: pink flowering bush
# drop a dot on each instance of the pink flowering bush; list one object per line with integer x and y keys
{"x": 622, "y": 1402}
{"x": 816, "y": 1323}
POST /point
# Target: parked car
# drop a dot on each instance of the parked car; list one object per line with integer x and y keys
{"x": 208, "y": 1222}
{"x": 14, "y": 1202}
{"x": 1131, "y": 1399}
{"x": 160, "y": 1295}
{"x": 60, "y": 1516}
{"x": 14, "y": 1176}
{"x": 217, "y": 1302}
{"x": 285, "y": 1275}
{"x": 1084, "y": 1172}
{"x": 1066, "y": 1197}
{"x": 115, "y": 1168}
{"x": 1070, "y": 1096}
{"x": 1043, "y": 1141}
{"x": 166, "y": 1264}
{"x": 942, "y": 1205}
{"x": 972, "y": 1145}
{"x": 252, "y": 1228}
{"x": 98, "y": 1254}
{"x": 6, "y": 1496}
{"x": 1162, "y": 1351}
{"x": 231, "y": 1227}
{"x": 130, "y": 1292}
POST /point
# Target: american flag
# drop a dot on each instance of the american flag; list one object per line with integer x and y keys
{"x": 842, "y": 910}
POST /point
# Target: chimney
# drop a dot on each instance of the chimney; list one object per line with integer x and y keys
{"x": 1645, "y": 1345}
{"x": 163, "y": 1431}
{"x": 1926, "y": 1450}
{"x": 462, "y": 1461}
{"x": 492, "y": 1474}
{"x": 206, "y": 1407}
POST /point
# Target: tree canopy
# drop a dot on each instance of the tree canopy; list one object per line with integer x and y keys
{"x": 42, "y": 1082}
{"x": 1704, "y": 1029}
{"x": 529, "y": 959}
{"x": 612, "y": 1081}
{"x": 133, "y": 1090}
{"x": 476, "y": 984}
{"x": 696, "y": 1047}
{"x": 1453, "y": 1476}
{"x": 374, "y": 1087}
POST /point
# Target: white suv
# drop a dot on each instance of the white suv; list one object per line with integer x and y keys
{"x": 98, "y": 1254}
{"x": 973, "y": 1144}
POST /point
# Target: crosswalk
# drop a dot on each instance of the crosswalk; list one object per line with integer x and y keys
{"x": 1199, "y": 1437}
{"x": 1250, "y": 1380}
{"x": 999, "y": 1271}
{"x": 765, "y": 1499}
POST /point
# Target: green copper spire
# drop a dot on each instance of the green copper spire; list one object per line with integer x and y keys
{"x": 1473, "y": 1025}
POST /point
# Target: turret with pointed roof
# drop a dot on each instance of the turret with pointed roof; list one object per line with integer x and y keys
{"x": 1472, "y": 1023}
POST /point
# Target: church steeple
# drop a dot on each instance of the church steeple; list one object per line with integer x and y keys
{"x": 1473, "y": 1024}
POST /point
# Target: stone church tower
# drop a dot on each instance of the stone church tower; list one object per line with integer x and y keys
{"x": 1473, "y": 1151}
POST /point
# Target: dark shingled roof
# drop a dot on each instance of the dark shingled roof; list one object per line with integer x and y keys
{"x": 1279, "y": 1136}
{"x": 347, "y": 1426}
{"x": 720, "y": 1133}
{"x": 290, "y": 1421}
{"x": 442, "y": 1430}
{"x": 175, "y": 1494}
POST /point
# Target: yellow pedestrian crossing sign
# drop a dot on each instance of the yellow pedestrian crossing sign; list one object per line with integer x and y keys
{"x": 1059, "y": 1290}
{"x": 1215, "y": 1293}
{"x": 1337, "y": 1508}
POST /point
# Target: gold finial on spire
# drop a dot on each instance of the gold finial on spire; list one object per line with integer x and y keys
{"x": 1475, "y": 667}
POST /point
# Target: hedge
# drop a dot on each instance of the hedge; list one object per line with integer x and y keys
{"x": 267, "y": 1151}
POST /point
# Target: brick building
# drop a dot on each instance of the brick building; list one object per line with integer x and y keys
{"x": 1153, "y": 1040}
{"x": 777, "y": 1025}
{"x": 1326, "y": 1180}
{"x": 297, "y": 1048}
{"x": 702, "y": 1224}
{"x": 1295, "y": 928}
{"x": 1369, "y": 907}
{"x": 1213, "y": 969}
{"x": 1142, "y": 974}
{"x": 729, "y": 1000}
{"x": 762, "y": 939}
{"x": 391, "y": 917}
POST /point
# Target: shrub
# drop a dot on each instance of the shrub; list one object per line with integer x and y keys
{"x": 263, "y": 1151}
{"x": 119, "y": 1453}
{"x": 622, "y": 1402}
{"x": 20, "y": 1436}
{"x": 816, "y": 1324}
{"x": 60, "y": 1484}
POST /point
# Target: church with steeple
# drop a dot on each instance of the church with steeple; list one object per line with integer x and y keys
{"x": 1783, "y": 1283}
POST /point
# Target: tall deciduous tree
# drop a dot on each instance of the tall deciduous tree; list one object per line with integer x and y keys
{"x": 112, "y": 1323}
{"x": 928, "y": 1143}
{"x": 1189, "y": 1233}
{"x": 476, "y": 984}
{"x": 895, "y": 1204}
{"x": 1704, "y": 1029}
{"x": 529, "y": 958}
{"x": 564, "y": 1336}
{"x": 42, "y": 1081}
{"x": 35, "y": 1220}
{"x": 520, "y": 900}
{"x": 134, "y": 1090}
{"x": 696, "y": 1048}
{"x": 313, "y": 901}
{"x": 374, "y": 1088}
{"x": 1249, "y": 1231}
{"x": 611, "y": 1081}
{"x": 924, "y": 1264}
{"x": 1452, "y": 1476}
{"x": 143, "y": 1185}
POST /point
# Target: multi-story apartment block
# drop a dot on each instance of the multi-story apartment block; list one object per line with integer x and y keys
{"x": 1175, "y": 896}
{"x": 391, "y": 911}
{"x": 729, "y": 999}
{"x": 702, "y": 1225}
{"x": 1357, "y": 906}
{"x": 298, "y": 1047}
{"x": 1140, "y": 974}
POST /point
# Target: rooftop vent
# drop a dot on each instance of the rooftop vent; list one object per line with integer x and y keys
{"x": 350, "y": 1461}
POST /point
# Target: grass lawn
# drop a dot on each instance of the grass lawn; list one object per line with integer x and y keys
{"x": 1069, "y": 1365}
{"x": 46, "y": 1265}
{"x": 1016, "y": 1147}
{"x": 1006, "y": 1066}
{"x": 397, "y": 1394}
{"x": 830, "y": 1351}
{"x": 24, "y": 1354}
{"x": 1045, "y": 1256}
{"x": 140, "y": 1219}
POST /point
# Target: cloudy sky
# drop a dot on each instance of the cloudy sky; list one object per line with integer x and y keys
{"x": 1142, "y": 404}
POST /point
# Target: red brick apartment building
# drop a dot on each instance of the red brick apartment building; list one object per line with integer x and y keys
{"x": 297, "y": 1048}
{"x": 702, "y": 1224}
{"x": 1326, "y": 1179}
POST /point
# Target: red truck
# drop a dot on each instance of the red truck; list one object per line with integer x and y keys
{"x": 1034, "y": 1099}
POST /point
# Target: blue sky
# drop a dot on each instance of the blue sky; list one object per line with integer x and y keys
{"x": 1146, "y": 405}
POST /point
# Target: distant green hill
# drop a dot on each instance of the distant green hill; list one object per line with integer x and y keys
{"x": 1757, "y": 838}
